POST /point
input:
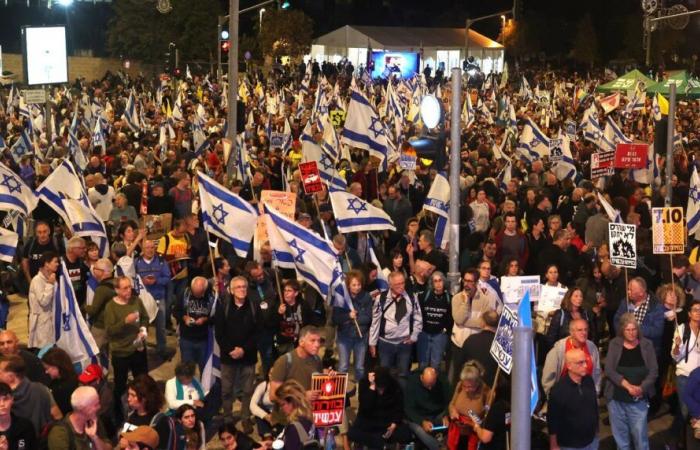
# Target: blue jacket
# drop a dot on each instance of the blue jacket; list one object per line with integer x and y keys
{"x": 159, "y": 269}
{"x": 342, "y": 320}
{"x": 653, "y": 324}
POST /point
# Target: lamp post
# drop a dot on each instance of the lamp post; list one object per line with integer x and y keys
{"x": 261, "y": 12}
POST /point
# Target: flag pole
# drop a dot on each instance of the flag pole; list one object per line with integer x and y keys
{"x": 673, "y": 288}
{"x": 627, "y": 298}
{"x": 492, "y": 392}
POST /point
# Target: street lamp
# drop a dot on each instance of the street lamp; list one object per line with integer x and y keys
{"x": 262, "y": 11}
{"x": 65, "y": 3}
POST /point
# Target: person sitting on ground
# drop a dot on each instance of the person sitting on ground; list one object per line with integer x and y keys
{"x": 425, "y": 404}
{"x": 64, "y": 380}
{"x": 81, "y": 427}
{"x": 233, "y": 439}
{"x": 195, "y": 435}
{"x": 17, "y": 432}
{"x": 469, "y": 401}
{"x": 184, "y": 388}
{"x": 140, "y": 438}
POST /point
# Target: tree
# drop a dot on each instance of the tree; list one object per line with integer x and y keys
{"x": 139, "y": 31}
{"x": 286, "y": 33}
{"x": 585, "y": 48}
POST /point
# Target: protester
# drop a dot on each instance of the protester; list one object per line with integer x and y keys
{"x": 81, "y": 428}
{"x": 468, "y": 401}
{"x": 18, "y": 432}
{"x": 293, "y": 403}
{"x": 353, "y": 325}
{"x": 41, "y": 302}
{"x": 427, "y": 395}
{"x": 194, "y": 428}
{"x": 63, "y": 378}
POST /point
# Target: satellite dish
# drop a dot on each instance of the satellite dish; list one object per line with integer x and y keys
{"x": 649, "y": 6}
{"x": 678, "y": 23}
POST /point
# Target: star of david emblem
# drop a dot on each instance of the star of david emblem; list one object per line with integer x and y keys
{"x": 326, "y": 162}
{"x": 11, "y": 183}
{"x": 219, "y": 214}
{"x": 356, "y": 205}
{"x": 694, "y": 194}
{"x": 535, "y": 142}
{"x": 376, "y": 127}
{"x": 596, "y": 135}
{"x": 65, "y": 319}
{"x": 300, "y": 251}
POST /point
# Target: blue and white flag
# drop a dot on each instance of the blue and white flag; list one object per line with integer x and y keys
{"x": 130, "y": 116}
{"x": 592, "y": 131}
{"x": 295, "y": 247}
{"x": 177, "y": 108}
{"x": 98, "y": 137}
{"x": 74, "y": 149}
{"x": 534, "y": 144}
{"x": 651, "y": 173}
{"x": 63, "y": 182}
{"x": 15, "y": 195}
{"x": 85, "y": 222}
{"x": 199, "y": 138}
{"x": 468, "y": 112}
{"x": 91, "y": 286}
{"x": 212, "y": 367}
{"x": 612, "y": 136}
{"x": 525, "y": 91}
{"x": 354, "y": 214}
{"x": 8, "y": 245}
{"x": 363, "y": 129}
{"x": 382, "y": 281}
{"x": 71, "y": 330}
{"x": 438, "y": 202}
{"x": 226, "y": 215}
{"x": 525, "y": 320}
{"x": 564, "y": 167}
{"x": 22, "y": 146}
{"x": 326, "y": 167}
{"x": 693, "y": 211}
{"x": 613, "y": 214}
{"x": 505, "y": 176}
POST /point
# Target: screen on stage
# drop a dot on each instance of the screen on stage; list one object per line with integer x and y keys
{"x": 45, "y": 57}
{"x": 388, "y": 63}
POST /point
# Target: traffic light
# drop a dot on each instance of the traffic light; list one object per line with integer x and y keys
{"x": 283, "y": 4}
{"x": 177, "y": 72}
{"x": 225, "y": 48}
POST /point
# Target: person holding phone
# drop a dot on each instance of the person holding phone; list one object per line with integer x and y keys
{"x": 80, "y": 428}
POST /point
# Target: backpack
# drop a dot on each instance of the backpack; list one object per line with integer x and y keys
{"x": 308, "y": 439}
{"x": 288, "y": 362}
{"x": 176, "y": 433}
{"x": 382, "y": 320}
{"x": 44, "y": 435}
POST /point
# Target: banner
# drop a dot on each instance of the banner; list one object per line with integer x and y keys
{"x": 329, "y": 407}
{"x": 631, "y": 156}
{"x": 502, "y": 345}
{"x": 623, "y": 245}
{"x": 668, "y": 230}
{"x": 284, "y": 202}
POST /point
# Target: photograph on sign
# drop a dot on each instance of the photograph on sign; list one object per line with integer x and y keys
{"x": 45, "y": 56}
{"x": 555, "y": 151}
{"x": 502, "y": 344}
{"x": 623, "y": 245}
{"x": 668, "y": 230}
{"x": 329, "y": 407}
{"x": 514, "y": 288}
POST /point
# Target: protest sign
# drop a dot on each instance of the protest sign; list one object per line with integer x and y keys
{"x": 550, "y": 299}
{"x": 310, "y": 177}
{"x": 329, "y": 407}
{"x": 602, "y": 164}
{"x": 668, "y": 230}
{"x": 623, "y": 245}
{"x": 513, "y": 288}
{"x": 631, "y": 156}
{"x": 502, "y": 345}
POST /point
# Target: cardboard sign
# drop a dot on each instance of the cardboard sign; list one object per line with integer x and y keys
{"x": 514, "y": 288}
{"x": 329, "y": 408}
{"x": 631, "y": 156}
{"x": 34, "y": 96}
{"x": 623, "y": 245}
{"x": 502, "y": 344}
{"x": 668, "y": 230}
{"x": 156, "y": 225}
{"x": 310, "y": 177}
{"x": 550, "y": 298}
{"x": 284, "y": 202}
{"x": 555, "y": 151}
{"x": 602, "y": 164}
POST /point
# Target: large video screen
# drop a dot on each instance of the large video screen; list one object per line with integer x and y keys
{"x": 45, "y": 57}
{"x": 388, "y": 63}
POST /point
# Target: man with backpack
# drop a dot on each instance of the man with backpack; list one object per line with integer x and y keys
{"x": 174, "y": 246}
{"x": 36, "y": 246}
{"x": 80, "y": 428}
{"x": 235, "y": 325}
{"x": 192, "y": 312}
{"x": 396, "y": 324}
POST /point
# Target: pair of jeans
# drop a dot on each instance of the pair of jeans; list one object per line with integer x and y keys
{"x": 237, "y": 381}
{"x": 159, "y": 325}
{"x": 173, "y": 292}
{"x": 427, "y": 439}
{"x": 266, "y": 347}
{"x": 137, "y": 363}
{"x": 195, "y": 351}
{"x": 431, "y": 349}
{"x": 395, "y": 355}
{"x": 629, "y": 424}
{"x": 592, "y": 446}
{"x": 358, "y": 346}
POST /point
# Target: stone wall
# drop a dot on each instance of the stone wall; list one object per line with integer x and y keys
{"x": 80, "y": 66}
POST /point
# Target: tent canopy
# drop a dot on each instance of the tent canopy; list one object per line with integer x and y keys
{"x": 686, "y": 86}
{"x": 626, "y": 82}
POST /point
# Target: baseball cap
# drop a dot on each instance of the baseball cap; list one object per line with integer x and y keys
{"x": 91, "y": 373}
{"x": 143, "y": 435}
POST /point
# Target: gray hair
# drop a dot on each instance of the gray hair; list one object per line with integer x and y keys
{"x": 627, "y": 319}
{"x": 75, "y": 241}
{"x": 82, "y": 397}
{"x": 440, "y": 275}
{"x": 105, "y": 264}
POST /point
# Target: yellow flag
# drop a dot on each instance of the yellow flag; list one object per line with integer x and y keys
{"x": 663, "y": 104}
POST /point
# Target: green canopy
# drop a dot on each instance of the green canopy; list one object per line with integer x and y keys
{"x": 626, "y": 82}
{"x": 686, "y": 86}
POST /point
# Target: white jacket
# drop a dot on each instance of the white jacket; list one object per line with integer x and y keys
{"x": 41, "y": 323}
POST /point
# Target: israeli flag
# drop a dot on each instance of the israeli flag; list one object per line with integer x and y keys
{"x": 592, "y": 131}
{"x": 306, "y": 81}
{"x": 533, "y": 144}
{"x": 382, "y": 281}
{"x": 243, "y": 160}
{"x": 693, "y": 211}
{"x": 505, "y": 176}
{"x": 130, "y": 116}
{"x": 63, "y": 182}
{"x": 331, "y": 144}
{"x": 438, "y": 202}
{"x": 177, "y": 108}
{"x": 8, "y": 245}
{"x": 201, "y": 142}
{"x": 85, "y": 222}
{"x": 15, "y": 195}
{"x": 363, "y": 128}
{"x": 650, "y": 174}
{"x": 98, "y": 137}
{"x": 468, "y": 112}
{"x": 612, "y": 136}
{"x": 525, "y": 91}
{"x": 74, "y": 149}
{"x": 525, "y": 320}
{"x": 226, "y": 215}
{"x": 212, "y": 367}
{"x": 354, "y": 214}
{"x": 564, "y": 167}
{"x": 326, "y": 167}
{"x": 92, "y": 284}
{"x": 613, "y": 214}
{"x": 295, "y": 247}
{"x": 22, "y": 146}
{"x": 71, "y": 330}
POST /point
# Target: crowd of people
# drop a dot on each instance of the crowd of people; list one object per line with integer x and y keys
{"x": 417, "y": 350}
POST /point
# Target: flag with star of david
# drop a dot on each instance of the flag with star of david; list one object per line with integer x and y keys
{"x": 326, "y": 167}
{"x": 693, "y": 211}
{"x": 8, "y": 245}
{"x": 226, "y": 215}
{"x": 63, "y": 182}
{"x": 363, "y": 128}
{"x": 295, "y": 247}
{"x": 354, "y": 214}
{"x": 533, "y": 144}
{"x": 15, "y": 195}
{"x": 130, "y": 116}
{"x": 438, "y": 201}
{"x": 22, "y": 146}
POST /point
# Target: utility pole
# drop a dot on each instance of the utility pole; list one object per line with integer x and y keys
{"x": 233, "y": 74}
{"x": 455, "y": 166}
{"x": 671, "y": 132}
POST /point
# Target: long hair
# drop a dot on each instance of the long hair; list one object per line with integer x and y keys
{"x": 61, "y": 360}
{"x": 665, "y": 289}
{"x": 148, "y": 392}
{"x": 293, "y": 392}
{"x": 566, "y": 301}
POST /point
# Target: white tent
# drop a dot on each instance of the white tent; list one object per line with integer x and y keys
{"x": 436, "y": 45}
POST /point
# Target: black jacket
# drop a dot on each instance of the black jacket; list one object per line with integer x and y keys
{"x": 381, "y": 409}
{"x": 236, "y": 327}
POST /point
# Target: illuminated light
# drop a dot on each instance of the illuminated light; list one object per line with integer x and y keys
{"x": 430, "y": 111}
{"x": 224, "y": 34}
{"x": 65, "y": 2}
